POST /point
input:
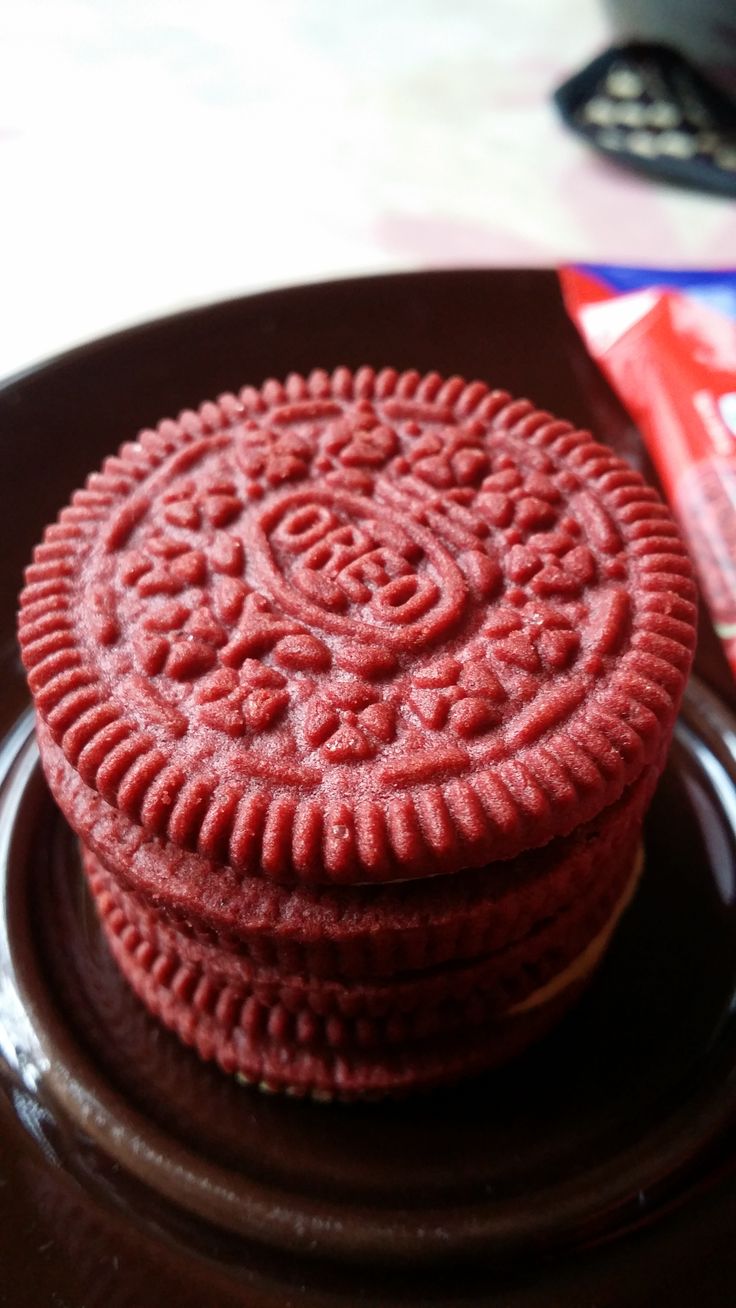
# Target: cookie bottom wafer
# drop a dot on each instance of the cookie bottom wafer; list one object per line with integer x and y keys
{"x": 303, "y": 1052}
{"x": 402, "y": 1006}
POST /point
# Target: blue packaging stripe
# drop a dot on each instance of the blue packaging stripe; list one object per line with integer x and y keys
{"x": 715, "y": 288}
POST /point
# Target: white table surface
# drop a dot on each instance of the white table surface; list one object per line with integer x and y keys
{"x": 156, "y": 154}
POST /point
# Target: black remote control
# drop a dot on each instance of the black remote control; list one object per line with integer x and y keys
{"x": 645, "y": 106}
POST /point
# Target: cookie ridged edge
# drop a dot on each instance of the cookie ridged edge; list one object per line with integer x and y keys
{"x": 364, "y": 1011}
{"x": 321, "y": 930}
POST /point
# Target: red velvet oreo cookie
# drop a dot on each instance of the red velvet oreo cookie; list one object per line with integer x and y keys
{"x": 357, "y": 628}
{"x": 355, "y": 689}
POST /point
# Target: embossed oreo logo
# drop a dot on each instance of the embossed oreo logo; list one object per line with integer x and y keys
{"x": 341, "y": 562}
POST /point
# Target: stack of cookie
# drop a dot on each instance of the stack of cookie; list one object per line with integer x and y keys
{"x": 356, "y": 689}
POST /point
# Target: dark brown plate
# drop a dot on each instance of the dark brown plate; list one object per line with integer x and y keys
{"x": 597, "y": 1170}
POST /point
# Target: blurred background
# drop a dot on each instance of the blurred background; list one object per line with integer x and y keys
{"x": 156, "y": 154}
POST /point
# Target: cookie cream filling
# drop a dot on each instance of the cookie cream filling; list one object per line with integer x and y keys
{"x": 586, "y": 962}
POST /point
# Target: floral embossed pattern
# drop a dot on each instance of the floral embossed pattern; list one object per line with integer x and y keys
{"x": 386, "y": 619}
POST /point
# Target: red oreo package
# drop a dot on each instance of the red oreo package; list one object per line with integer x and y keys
{"x": 666, "y": 341}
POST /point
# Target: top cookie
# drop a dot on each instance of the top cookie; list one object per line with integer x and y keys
{"x": 360, "y": 627}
